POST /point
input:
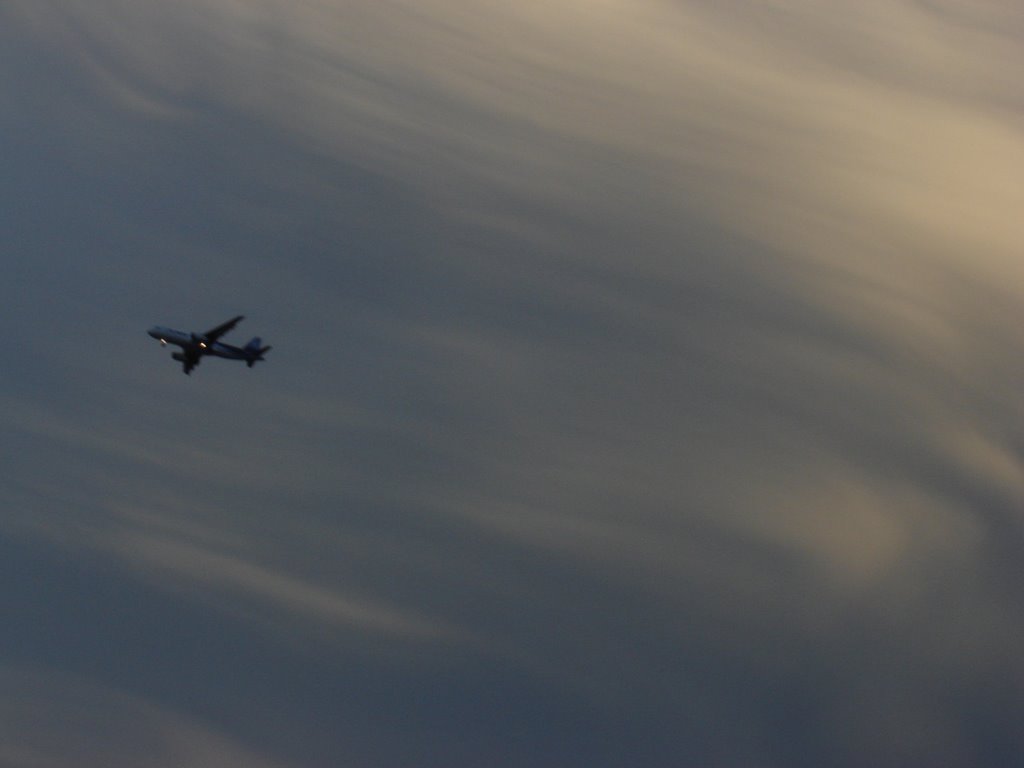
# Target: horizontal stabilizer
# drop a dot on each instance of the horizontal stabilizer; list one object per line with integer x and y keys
{"x": 254, "y": 352}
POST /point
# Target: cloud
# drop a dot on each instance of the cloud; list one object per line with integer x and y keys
{"x": 54, "y": 719}
{"x": 176, "y": 564}
{"x": 665, "y": 349}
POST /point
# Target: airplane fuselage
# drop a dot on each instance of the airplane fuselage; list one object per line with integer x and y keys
{"x": 196, "y": 344}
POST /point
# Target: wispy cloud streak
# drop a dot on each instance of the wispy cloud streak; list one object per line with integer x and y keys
{"x": 642, "y": 342}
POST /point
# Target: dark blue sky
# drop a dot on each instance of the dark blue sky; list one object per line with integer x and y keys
{"x": 644, "y": 392}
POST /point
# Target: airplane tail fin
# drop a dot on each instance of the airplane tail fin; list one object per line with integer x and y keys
{"x": 254, "y": 352}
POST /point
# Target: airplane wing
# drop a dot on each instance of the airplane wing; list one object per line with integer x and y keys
{"x": 215, "y": 333}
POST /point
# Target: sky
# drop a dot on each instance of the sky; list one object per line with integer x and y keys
{"x": 645, "y": 386}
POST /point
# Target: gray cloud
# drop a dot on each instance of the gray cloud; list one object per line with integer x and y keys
{"x": 59, "y": 720}
{"x": 644, "y": 380}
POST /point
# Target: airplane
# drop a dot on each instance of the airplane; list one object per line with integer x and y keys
{"x": 195, "y": 345}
